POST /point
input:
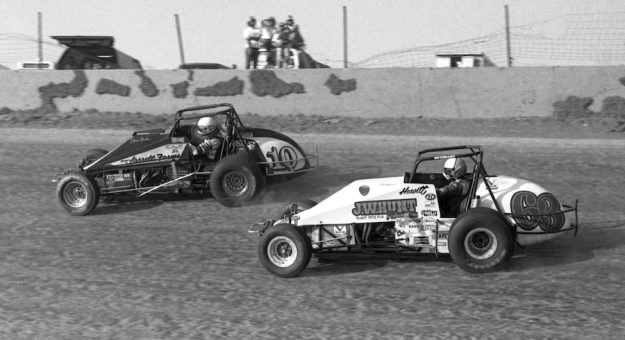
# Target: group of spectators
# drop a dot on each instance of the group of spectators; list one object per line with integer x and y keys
{"x": 275, "y": 44}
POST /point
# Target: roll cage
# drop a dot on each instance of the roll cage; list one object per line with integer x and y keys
{"x": 233, "y": 123}
{"x": 473, "y": 152}
{"x": 476, "y": 154}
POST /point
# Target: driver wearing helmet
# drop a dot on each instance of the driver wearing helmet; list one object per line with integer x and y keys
{"x": 209, "y": 130}
{"x": 451, "y": 195}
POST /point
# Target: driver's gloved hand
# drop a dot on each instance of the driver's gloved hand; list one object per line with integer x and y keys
{"x": 205, "y": 146}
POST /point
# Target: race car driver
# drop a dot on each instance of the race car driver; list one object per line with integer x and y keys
{"x": 212, "y": 134}
{"x": 452, "y": 195}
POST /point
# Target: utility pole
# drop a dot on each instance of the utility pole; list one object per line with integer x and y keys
{"x": 39, "y": 38}
{"x": 508, "y": 53}
{"x": 180, "y": 47}
{"x": 345, "y": 37}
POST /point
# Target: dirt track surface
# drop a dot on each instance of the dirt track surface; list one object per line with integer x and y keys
{"x": 171, "y": 267}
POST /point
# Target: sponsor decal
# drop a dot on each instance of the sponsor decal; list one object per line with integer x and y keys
{"x": 492, "y": 183}
{"x": 539, "y": 211}
{"x": 112, "y": 178}
{"x": 364, "y": 190}
{"x": 430, "y": 197}
{"x": 340, "y": 229}
{"x": 429, "y": 213}
{"x": 413, "y": 191}
{"x": 247, "y": 135}
{"x": 442, "y": 243}
{"x": 388, "y": 207}
{"x": 163, "y": 153}
{"x": 371, "y": 217}
{"x": 442, "y": 235}
{"x": 150, "y": 158}
{"x": 177, "y": 140}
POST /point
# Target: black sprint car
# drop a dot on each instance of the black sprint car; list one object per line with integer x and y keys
{"x": 156, "y": 161}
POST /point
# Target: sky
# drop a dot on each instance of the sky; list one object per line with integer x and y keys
{"x": 212, "y": 30}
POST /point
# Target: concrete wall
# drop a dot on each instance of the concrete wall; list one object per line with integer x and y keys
{"x": 451, "y": 93}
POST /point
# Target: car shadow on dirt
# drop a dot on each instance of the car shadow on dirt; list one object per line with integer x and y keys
{"x": 128, "y": 203}
{"x": 592, "y": 237}
{"x": 567, "y": 249}
{"x": 327, "y": 264}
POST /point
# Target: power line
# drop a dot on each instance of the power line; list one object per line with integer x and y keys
{"x": 569, "y": 40}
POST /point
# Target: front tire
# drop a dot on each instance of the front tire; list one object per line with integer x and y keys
{"x": 480, "y": 241}
{"x": 78, "y": 194}
{"x": 235, "y": 180}
{"x": 284, "y": 251}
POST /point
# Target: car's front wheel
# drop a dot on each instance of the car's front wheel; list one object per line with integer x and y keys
{"x": 77, "y": 193}
{"x": 235, "y": 180}
{"x": 284, "y": 250}
{"x": 480, "y": 241}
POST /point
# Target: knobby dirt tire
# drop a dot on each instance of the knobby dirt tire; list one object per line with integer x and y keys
{"x": 236, "y": 180}
{"x": 480, "y": 241}
{"x": 77, "y": 193}
{"x": 284, "y": 250}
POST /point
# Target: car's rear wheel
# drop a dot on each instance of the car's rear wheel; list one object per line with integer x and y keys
{"x": 480, "y": 241}
{"x": 235, "y": 180}
{"x": 284, "y": 250}
{"x": 286, "y": 210}
{"x": 92, "y": 155}
{"x": 77, "y": 193}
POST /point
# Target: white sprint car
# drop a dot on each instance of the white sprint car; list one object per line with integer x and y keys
{"x": 406, "y": 214}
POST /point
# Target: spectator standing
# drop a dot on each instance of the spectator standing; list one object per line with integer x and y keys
{"x": 279, "y": 41}
{"x": 251, "y": 34}
{"x": 268, "y": 28}
{"x": 295, "y": 41}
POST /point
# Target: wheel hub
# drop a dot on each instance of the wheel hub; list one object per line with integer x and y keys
{"x": 75, "y": 194}
{"x": 235, "y": 183}
{"x": 282, "y": 251}
{"x": 481, "y": 243}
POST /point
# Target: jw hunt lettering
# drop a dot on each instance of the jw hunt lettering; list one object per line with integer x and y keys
{"x": 389, "y": 207}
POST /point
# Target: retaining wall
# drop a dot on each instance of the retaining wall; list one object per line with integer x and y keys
{"x": 389, "y": 92}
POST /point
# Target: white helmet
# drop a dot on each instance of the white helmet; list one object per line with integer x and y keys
{"x": 454, "y": 168}
{"x": 206, "y": 125}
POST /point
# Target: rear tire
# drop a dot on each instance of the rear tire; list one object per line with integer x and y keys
{"x": 78, "y": 194}
{"x": 302, "y": 205}
{"x": 284, "y": 250}
{"x": 235, "y": 180}
{"x": 480, "y": 241}
{"x": 92, "y": 155}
